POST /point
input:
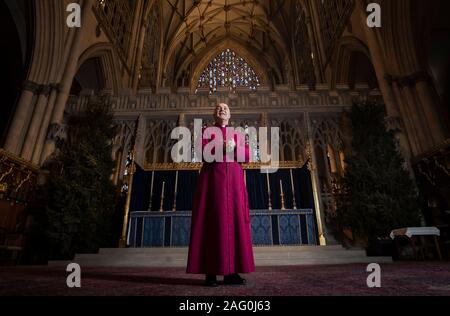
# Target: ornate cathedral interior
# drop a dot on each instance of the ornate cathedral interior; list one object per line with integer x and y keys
{"x": 87, "y": 114}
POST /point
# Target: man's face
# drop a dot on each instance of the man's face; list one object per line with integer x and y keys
{"x": 222, "y": 112}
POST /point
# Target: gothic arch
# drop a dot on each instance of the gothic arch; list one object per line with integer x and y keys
{"x": 202, "y": 61}
{"x": 47, "y": 64}
{"x": 191, "y": 28}
{"x": 151, "y": 56}
{"x": 109, "y": 63}
{"x": 399, "y": 41}
{"x": 346, "y": 49}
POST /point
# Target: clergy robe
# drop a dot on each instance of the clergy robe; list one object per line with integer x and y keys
{"x": 220, "y": 241}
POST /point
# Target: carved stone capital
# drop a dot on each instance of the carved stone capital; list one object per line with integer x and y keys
{"x": 31, "y": 86}
{"x": 45, "y": 90}
{"x": 410, "y": 80}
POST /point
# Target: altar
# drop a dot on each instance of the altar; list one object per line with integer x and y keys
{"x": 269, "y": 228}
{"x": 282, "y": 207}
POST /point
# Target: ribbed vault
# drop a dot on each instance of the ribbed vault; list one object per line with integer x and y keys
{"x": 193, "y": 28}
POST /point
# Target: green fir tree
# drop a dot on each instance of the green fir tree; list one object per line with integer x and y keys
{"x": 79, "y": 197}
{"x": 378, "y": 194}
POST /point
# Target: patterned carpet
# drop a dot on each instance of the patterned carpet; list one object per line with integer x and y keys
{"x": 398, "y": 279}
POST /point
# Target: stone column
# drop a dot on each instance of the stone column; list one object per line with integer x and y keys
{"x": 139, "y": 53}
{"x": 378, "y": 62}
{"x": 66, "y": 83}
{"x": 182, "y": 120}
{"x": 409, "y": 136}
{"x": 416, "y": 116}
{"x": 324, "y": 236}
{"x": 14, "y": 140}
{"x": 312, "y": 40}
{"x": 264, "y": 121}
{"x": 36, "y": 121}
{"x": 36, "y": 159}
{"x": 429, "y": 109}
{"x": 134, "y": 31}
{"x": 140, "y": 141}
{"x": 383, "y": 77}
{"x": 315, "y": 18}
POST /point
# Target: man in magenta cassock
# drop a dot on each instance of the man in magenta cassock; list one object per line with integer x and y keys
{"x": 221, "y": 241}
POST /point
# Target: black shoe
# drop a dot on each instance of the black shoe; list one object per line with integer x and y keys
{"x": 211, "y": 281}
{"x": 234, "y": 279}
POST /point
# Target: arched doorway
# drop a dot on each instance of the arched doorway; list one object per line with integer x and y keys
{"x": 361, "y": 71}
{"x": 90, "y": 76}
{"x": 352, "y": 65}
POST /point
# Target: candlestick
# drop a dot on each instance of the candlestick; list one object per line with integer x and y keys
{"x": 175, "y": 194}
{"x": 151, "y": 192}
{"x": 292, "y": 180}
{"x": 176, "y": 182}
{"x": 161, "y": 209}
{"x": 294, "y": 204}
{"x": 268, "y": 191}
{"x": 282, "y": 196}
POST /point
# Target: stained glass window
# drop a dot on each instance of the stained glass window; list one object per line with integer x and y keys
{"x": 228, "y": 70}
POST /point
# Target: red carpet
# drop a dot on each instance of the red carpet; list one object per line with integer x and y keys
{"x": 411, "y": 278}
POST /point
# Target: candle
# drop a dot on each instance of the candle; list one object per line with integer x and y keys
{"x": 151, "y": 192}
{"x": 281, "y": 186}
{"x": 153, "y": 180}
{"x": 151, "y": 185}
{"x": 175, "y": 194}
{"x": 292, "y": 181}
{"x": 294, "y": 203}
{"x": 176, "y": 183}
{"x": 268, "y": 190}
{"x": 161, "y": 208}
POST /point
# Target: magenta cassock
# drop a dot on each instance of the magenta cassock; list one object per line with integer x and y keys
{"x": 220, "y": 241}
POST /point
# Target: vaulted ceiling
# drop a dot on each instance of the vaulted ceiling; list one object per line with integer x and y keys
{"x": 195, "y": 31}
